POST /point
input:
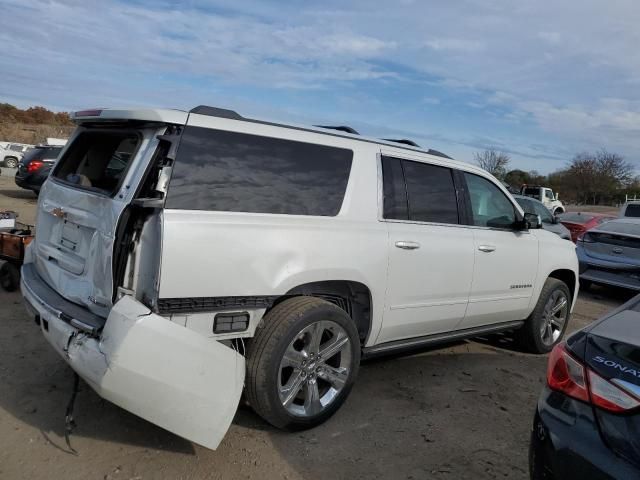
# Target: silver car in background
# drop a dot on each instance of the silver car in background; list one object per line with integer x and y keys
{"x": 610, "y": 254}
{"x": 549, "y": 221}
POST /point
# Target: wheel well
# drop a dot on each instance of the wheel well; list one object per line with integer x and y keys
{"x": 559, "y": 209}
{"x": 352, "y": 297}
{"x": 568, "y": 277}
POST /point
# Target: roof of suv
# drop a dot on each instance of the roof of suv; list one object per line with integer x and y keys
{"x": 181, "y": 116}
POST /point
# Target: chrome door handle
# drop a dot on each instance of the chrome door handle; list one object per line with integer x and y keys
{"x": 407, "y": 245}
{"x": 486, "y": 248}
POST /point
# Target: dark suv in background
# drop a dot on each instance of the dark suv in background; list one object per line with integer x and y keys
{"x": 35, "y": 166}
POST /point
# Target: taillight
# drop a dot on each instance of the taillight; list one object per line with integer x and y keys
{"x": 584, "y": 237}
{"x": 34, "y": 165}
{"x": 606, "y": 395}
{"x": 567, "y": 375}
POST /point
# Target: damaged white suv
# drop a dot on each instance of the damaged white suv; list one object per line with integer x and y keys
{"x": 181, "y": 257}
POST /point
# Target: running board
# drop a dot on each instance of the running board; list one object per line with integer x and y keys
{"x": 417, "y": 342}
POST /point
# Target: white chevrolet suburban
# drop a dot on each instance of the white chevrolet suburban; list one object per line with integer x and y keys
{"x": 183, "y": 257}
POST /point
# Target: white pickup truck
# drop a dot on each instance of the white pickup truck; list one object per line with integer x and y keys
{"x": 546, "y": 196}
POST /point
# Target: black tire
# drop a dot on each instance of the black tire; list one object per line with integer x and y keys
{"x": 9, "y": 277}
{"x": 276, "y": 334}
{"x": 585, "y": 285}
{"x": 11, "y": 162}
{"x": 530, "y": 336}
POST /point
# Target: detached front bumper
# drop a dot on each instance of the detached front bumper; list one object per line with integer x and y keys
{"x": 165, "y": 373}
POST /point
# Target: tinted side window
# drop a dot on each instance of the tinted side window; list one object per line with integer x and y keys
{"x": 633, "y": 210}
{"x": 432, "y": 195}
{"x": 236, "y": 172}
{"x": 394, "y": 191}
{"x": 489, "y": 205}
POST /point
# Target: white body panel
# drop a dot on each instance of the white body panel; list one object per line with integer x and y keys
{"x": 427, "y": 287}
{"x": 503, "y": 278}
{"x": 172, "y": 370}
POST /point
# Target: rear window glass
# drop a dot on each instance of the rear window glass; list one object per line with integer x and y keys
{"x": 42, "y": 153}
{"x": 237, "y": 172}
{"x": 98, "y": 160}
{"x": 576, "y": 217}
{"x": 532, "y": 191}
{"x": 632, "y": 210}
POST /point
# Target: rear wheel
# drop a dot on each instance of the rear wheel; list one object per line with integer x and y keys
{"x": 547, "y": 323}
{"x": 11, "y": 162}
{"x": 302, "y": 363}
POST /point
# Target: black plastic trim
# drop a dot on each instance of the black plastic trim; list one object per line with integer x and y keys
{"x": 217, "y": 112}
{"x": 342, "y": 128}
{"x": 211, "y": 304}
{"x": 438, "y": 338}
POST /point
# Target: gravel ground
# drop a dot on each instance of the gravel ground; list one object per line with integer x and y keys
{"x": 459, "y": 412}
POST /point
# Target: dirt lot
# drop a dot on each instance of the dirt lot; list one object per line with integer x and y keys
{"x": 452, "y": 413}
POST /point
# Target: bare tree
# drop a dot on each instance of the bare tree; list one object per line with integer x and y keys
{"x": 594, "y": 177}
{"x": 494, "y": 162}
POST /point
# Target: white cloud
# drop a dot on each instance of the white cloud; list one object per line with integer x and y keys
{"x": 569, "y": 68}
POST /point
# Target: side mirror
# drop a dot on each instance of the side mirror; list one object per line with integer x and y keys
{"x": 532, "y": 220}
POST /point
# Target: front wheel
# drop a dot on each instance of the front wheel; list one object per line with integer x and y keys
{"x": 547, "y": 323}
{"x": 302, "y": 363}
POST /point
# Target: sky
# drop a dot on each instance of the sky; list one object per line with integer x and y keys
{"x": 539, "y": 80}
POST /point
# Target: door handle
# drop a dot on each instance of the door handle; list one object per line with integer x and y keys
{"x": 486, "y": 248}
{"x": 407, "y": 245}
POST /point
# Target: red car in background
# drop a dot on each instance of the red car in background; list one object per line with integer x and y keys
{"x": 580, "y": 222}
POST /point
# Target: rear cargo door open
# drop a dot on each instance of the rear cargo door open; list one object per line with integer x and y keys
{"x": 80, "y": 205}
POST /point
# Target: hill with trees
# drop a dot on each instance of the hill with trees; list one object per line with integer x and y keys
{"x": 32, "y": 125}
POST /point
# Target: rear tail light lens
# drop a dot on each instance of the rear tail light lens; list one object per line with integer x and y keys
{"x": 606, "y": 395}
{"x": 567, "y": 375}
{"x": 585, "y": 238}
{"x": 34, "y": 165}
{"x": 88, "y": 113}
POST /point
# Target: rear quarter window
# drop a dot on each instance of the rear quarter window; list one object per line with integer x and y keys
{"x": 237, "y": 172}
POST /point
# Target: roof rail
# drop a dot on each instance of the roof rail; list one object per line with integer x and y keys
{"x": 404, "y": 141}
{"x": 342, "y": 128}
{"x": 438, "y": 154}
{"x": 216, "y": 112}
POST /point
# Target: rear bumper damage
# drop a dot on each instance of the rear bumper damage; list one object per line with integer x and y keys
{"x": 165, "y": 373}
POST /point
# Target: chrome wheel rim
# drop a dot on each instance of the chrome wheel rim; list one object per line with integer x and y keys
{"x": 314, "y": 369}
{"x": 554, "y": 316}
